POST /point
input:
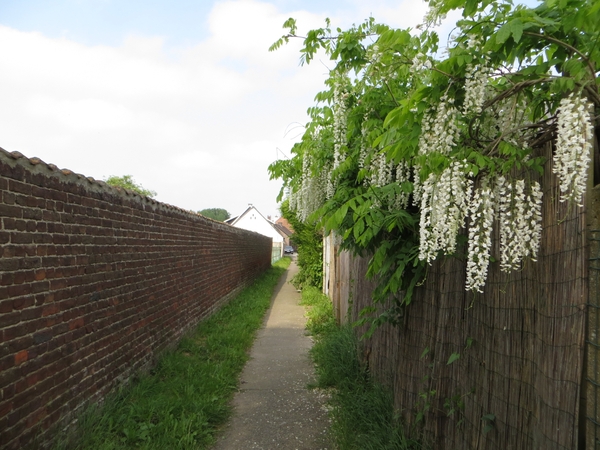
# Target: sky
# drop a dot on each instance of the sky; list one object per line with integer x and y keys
{"x": 182, "y": 94}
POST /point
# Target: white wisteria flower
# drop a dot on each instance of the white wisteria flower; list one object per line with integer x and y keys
{"x": 573, "y": 146}
{"x": 444, "y": 204}
{"x": 420, "y": 63}
{"x": 340, "y": 127}
{"x": 481, "y": 214}
{"x": 434, "y": 16}
{"x": 402, "y": 176}
{"x": 439, "y": 131}
{"x": 520, "y": 222}
{"x": 476, "y": 80}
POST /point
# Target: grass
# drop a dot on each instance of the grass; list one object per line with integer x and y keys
{"x": 362, "y": 410}
{"x": 185, "y": 398}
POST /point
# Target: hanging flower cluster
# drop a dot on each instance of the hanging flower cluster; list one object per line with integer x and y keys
{"x": 439, "y": 130}
{"x": 364, "y": 148}
{"x": 481, "y": 215}
{"x": 382, "y": 175}
{"x": 573, "y": 146}
{"x": 476, "y": 80}
{"x": 434, "y": 16}
{"x": 340, "y": 127}
{"x": 448, "y": 199}
{"x": 506, "y": 114}
{"x": 444, "y": 204}
{"x": 520, "y": 218}
{"x": 420, "y": 63}
{"x": 311, "y": 193}
{"x": 378, "y": 70}
{"x": 340, "y": 119}
{"x": 402, "y": 176}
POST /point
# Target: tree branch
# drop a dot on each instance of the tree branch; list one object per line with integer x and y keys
{"x": 565, "y": 45}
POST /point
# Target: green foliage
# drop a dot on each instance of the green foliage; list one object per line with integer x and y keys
{"x": 393, "y": 79}
{"x": 319, "y": 311}
{"x": 127, "y": 182}
{"x": 453, "y": 357}
{"x": 219, "y": 214}
{"x": 489, "y": 421}
{"x": 362, "y": 411}
{"x": 186, "y": 397}
{"x": 309, "y": 246}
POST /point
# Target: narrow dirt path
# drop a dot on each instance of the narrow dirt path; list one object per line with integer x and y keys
{"x": 274, "y": 409}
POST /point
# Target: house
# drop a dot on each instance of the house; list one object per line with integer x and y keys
{"x": 286, "y": 227}
{"x": 251, "y": 219}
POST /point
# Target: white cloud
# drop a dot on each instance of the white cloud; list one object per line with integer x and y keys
{"x": 199, "y": 125}
{"x": 87, "y": 114}
{"x": 399, "y": 14}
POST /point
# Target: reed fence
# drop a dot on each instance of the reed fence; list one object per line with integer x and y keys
{"x": 500, "y": 370}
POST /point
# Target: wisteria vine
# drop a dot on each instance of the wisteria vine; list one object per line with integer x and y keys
{"x": 413, "y": 149}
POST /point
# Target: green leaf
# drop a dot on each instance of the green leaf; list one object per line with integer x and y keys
{"x": 503, "y": 33}
{"x": 469, "y": 342}
{"x": 470, "y": 8}
{"x": 453, "y": 357}
{"x": 419, "y": 417}
{"x": 516, "y": 29}
{"x": 425, "y": 353}
{"x": 359, "y": 227}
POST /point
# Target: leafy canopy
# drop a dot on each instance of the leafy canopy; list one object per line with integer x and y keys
{"x": 127, "y": 182}
{"x": 219, "y": 214}
{"x": 398, "y": 112}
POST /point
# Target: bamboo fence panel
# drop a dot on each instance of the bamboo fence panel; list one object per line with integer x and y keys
{"x": 520, "y": 343}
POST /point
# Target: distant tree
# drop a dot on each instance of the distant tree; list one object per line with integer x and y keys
{"x": 127, "y": 182}
{"x": 215, "y": 213}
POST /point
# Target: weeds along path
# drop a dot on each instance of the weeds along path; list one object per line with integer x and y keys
{"x": 274, "y": 407}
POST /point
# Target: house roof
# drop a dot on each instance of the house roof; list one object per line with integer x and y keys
{"x": 250, "y": 207}
{"x": 283, "y": 231}
{"x": 284, "y": 222}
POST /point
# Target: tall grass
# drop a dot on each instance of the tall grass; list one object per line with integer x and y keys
{"x": 362, "y": 410}
{"x": 185, "y": 398}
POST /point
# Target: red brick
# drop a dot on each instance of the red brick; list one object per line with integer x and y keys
{"x": 77, "y": 323}
{"x": 21, "y": 238}
{"x": 58, "y": 284}
{"x": 23, "y": 277}
{"x": 5, "y": 408}
{"x": 22, "y": 302}
{"x": 8, "y": 197}
{"x": 7, "y": 278}
{"x": 50, "y": 310}
{"x": 10, "y": 211}
{"x": 19, "y": 290}
{"x": 6, "y": 306}
{"x": 21, "y": 357}
{"x": 17, "y": 186}
{"x": 40, "y": 274}
{"x": 36, "y": 417}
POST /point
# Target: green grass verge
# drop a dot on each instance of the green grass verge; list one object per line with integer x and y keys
{"x": 362, "y": 410}
{"x": 185, "y": 398}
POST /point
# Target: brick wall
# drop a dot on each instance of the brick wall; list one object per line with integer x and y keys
{"x": 94, "y": 281}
